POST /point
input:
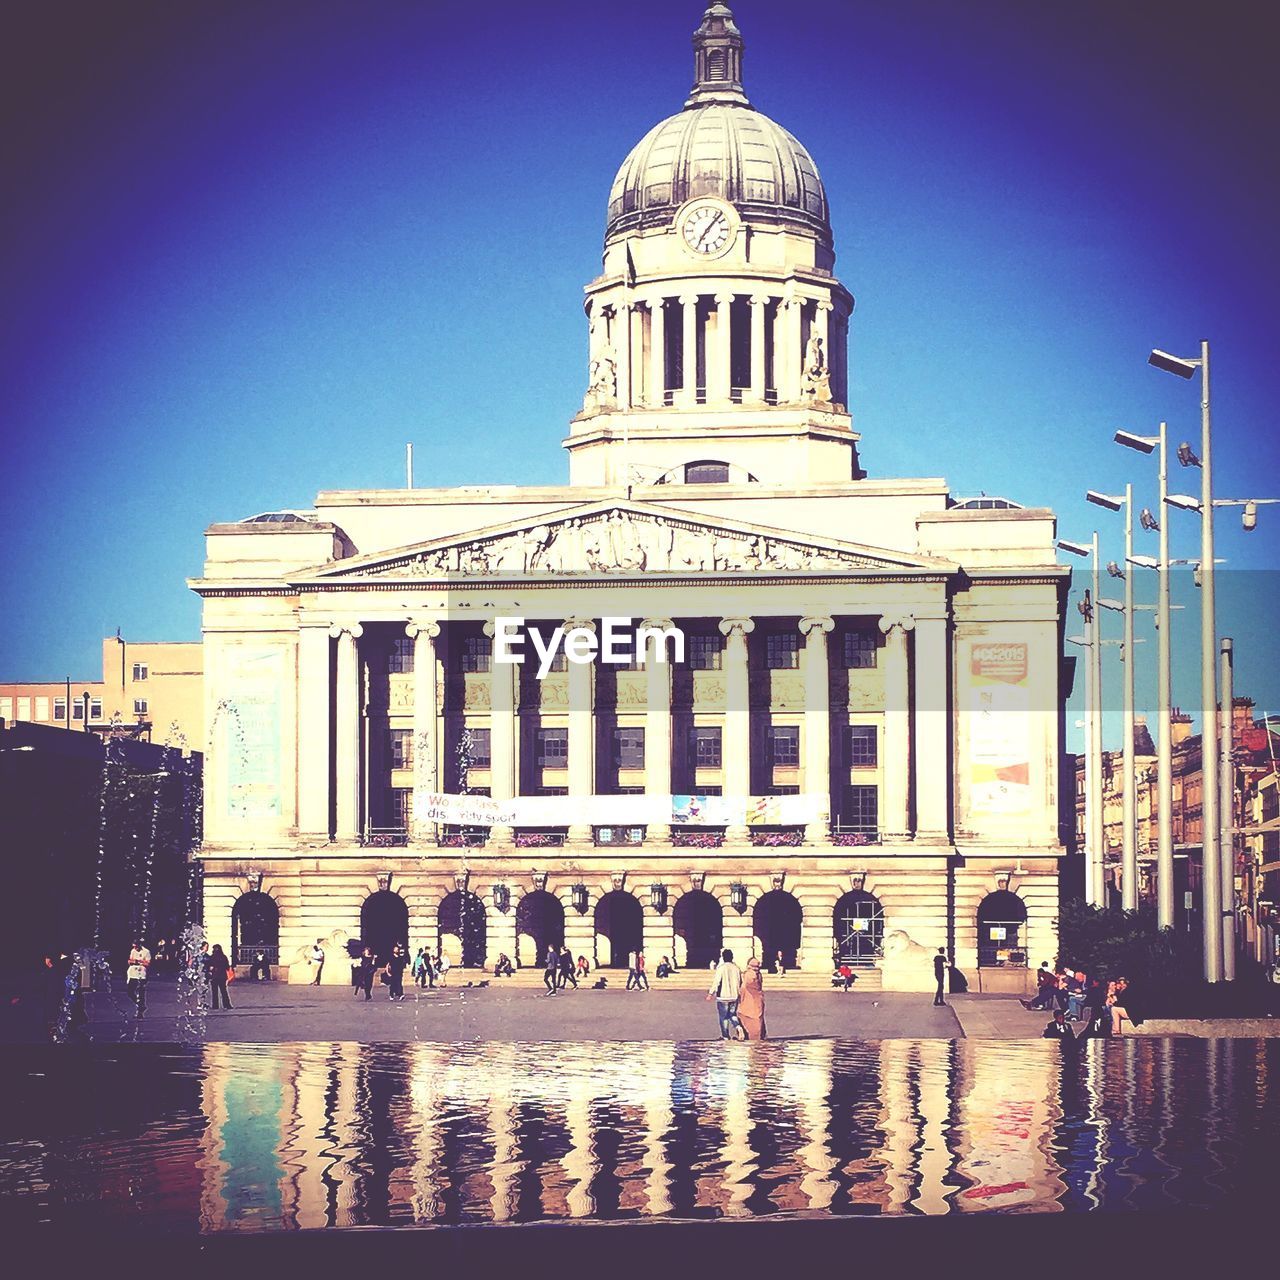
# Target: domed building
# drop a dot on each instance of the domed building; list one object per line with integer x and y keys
{"x": 723, "y": 688}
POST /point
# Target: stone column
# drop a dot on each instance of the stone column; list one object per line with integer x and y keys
{"x": 687, "y": 395}
{"x": 579, "y": 926}
{"x": 313, "y": 732}
{"x": 657, "y": 353}
{"x": 720, "y": 370}
{"x": 500, "y": 926}
{"x": 347, "y": 731}
{"x": 817, "y": 724}
{"x": 658, "y": 928}
{"x": 896, "y": 766}
{"x": 759, "y": 374}
{"x": 657, "y": 729}
{"x": 622, "y": 345}
{"x": 582, "y": 732}
{"x": 822, "y": 322}
{"x": 791, "y": 315}
{"x": 426, "y": 767}
{"x": 502, "y": 734}
{"x": 736, "y": 739}
{"x": 932, "y": 759}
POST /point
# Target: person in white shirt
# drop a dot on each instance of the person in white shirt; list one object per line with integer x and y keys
{"x": 139, "y": 963}
{"x": 317, "y": 959}
{"x": 726, "y": 984}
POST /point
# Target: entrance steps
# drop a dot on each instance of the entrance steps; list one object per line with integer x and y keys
{"x": 681, "y": 980}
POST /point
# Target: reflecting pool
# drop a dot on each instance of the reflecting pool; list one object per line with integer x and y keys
{"x": 244, "y": 1138}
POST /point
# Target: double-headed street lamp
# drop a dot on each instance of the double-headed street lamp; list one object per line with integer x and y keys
{"x": 1129, "y": 826}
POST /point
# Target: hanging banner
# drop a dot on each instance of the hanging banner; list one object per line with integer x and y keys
{"x": 463, "y": 811}
{"x": 704, "y": 811}
{"x": 784, "y": 811}
{"x": 999, "y": 729}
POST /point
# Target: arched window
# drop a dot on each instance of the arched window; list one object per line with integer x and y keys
{"x": 1002, "y": 924}
{"x": 619, "y": 929}
{"x": 384, "y": 921}
{"x": 255, "y": 927}
{"x": 699, "y": 929}
{"x": 776, "y": 922}
{"x": 858, "y": 922}
{"x": 539, "y": 925}
{"x": 462, "y": 928}
{"x": 718, "y": 64}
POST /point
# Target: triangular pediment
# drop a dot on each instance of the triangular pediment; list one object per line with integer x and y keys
{"x": 624, "y": 538}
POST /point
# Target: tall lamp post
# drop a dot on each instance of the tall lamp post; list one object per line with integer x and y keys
{"x": 1129, "y": 829}
{"x": 1211, "y": 856}
{"x": 1095, "y": 831}
{"x": 1164, "y": 697}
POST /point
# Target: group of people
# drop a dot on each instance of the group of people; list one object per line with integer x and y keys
{"x": 424, "y": 970}
{"x": 739, "y": 998}
{"x": 559, "y": 970}
{"x": 1095, "y": 1007}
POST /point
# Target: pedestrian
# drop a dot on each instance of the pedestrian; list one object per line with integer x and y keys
{"x": 261, "y": 970}
{"x": 219, "y": 968}
{"x": 780, "y": 964}
{"x": 364, "y": 969}
{"x": 726, "y": 985}
{"x": 642, "y": 974}
{"x": 751, "y": 1001}
{"x": 551, "y": 972}
{"x": 420, "y": 967}
{"x": 136, "y": 974}
{"x": 317, "y": 959}
{"x": 567, "y": 973}
{"x": 396, "y": 964}
{"x": 442, "y": 967}
{"x": 633, "y": 977}
{"x": 940, "y": 973}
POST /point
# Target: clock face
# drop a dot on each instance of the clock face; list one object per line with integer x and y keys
{"x": 707, "y": 229}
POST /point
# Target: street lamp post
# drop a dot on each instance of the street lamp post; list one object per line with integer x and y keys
{"x": 1164, "y": 697}
{"x": 1092, "y": 642}
{"x": 1129, "y": 828}
{"x": 1211, "y": 877}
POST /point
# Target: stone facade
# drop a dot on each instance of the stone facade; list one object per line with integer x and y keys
{"x": 888, "y": 655}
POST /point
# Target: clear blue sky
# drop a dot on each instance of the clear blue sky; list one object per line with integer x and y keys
{"x": 257, "y": 247}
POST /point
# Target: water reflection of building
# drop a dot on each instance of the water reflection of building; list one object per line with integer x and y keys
{"x": 872, "y": 666}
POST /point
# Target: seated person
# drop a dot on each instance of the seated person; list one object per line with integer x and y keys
{"x": 664, "y": 968}
{"x": 1057, "y": 1029}
{"x": 503, "y": 969}
{"x": 1046, "y": 985}
{"x": 1116, "y": 1000}
{"x": 583, "y": 967}
{"x": 843, "y": 977}
{"x": 1076, "y": 990}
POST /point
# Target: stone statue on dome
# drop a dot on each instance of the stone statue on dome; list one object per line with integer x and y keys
{"x": 815, "y": 384}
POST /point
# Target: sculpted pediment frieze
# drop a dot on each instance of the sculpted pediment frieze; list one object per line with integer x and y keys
{"x": 624, "y": 539}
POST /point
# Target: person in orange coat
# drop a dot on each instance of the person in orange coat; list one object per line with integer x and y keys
{"x": 751, "y": 1001}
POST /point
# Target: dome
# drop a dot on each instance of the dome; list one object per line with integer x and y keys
{"x": 719, "y": 149}
{"x": 719, "y": 146}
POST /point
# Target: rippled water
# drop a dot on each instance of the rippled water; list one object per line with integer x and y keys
{"x": 226, "y": 1137}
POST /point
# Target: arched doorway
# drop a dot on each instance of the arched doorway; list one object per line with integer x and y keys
{"x": 776, "y": 922}
{"x": 1002, "y": 927}
{"x": 619, "y": 929}
{"x": 858, "y": 924}
{"x": 462, "y": 929}
{"x": 255, "y": 927}
{"x": 384, "y": 921}
{"x": 698, "y": 924}
{"x": 539, "y": 925}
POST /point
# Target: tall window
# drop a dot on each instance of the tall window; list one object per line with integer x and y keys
{"x": 704, "y": 746}
{"x": 475, "y": 653}
{"x": 863, "y": 746}
{"x": 400, "y": 748}
{"x": 59, "y": 709}
{"x": 42, "y": 708}
{"x": 862, "y": 809}
{"x": 859, "y": 648}
{"x": 140, "y": 671}
{"x": 480, "y": 751}
{"x": 628, "y": 747}
{"x": 95, "y": 709}
{"x": 784, "y": 745}
{"x": 782, "y": 651}
{"x": 553, "y": 748}
{"x": 560, "y": 662}
{"x": 705, "y": 650}
{"x": 400, "y": 659}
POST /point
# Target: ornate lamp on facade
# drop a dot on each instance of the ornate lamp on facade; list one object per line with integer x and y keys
{"x": 738, "y": 897}
{"x": 501, "y": 897}
{"x": 580, "y": 898}
{"x": 658, "y": 897}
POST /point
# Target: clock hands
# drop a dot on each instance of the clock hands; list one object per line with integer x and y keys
{"x": 712, "y": 223}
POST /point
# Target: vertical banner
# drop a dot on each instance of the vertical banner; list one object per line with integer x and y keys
{"x": 248, "y": 722}
{"x": 999, "y": 729}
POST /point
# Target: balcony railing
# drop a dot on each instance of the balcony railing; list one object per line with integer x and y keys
{"x": 385, "y": 837}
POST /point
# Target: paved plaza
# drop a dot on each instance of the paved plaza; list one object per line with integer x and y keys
{"x": 277, "y": 1012}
